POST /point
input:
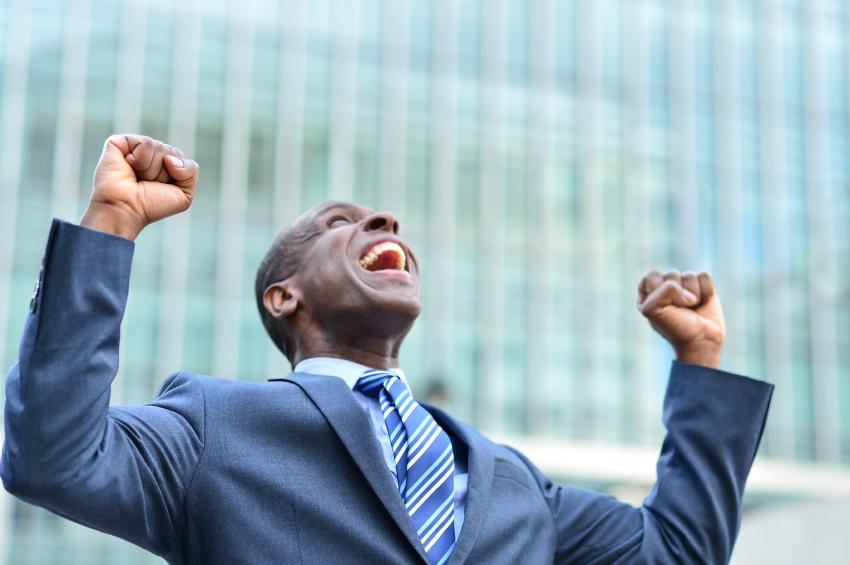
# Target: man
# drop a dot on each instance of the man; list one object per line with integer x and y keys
{"x": 337, "y": 462}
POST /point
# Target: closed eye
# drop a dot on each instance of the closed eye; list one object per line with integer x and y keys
{"x": 336, "y": 219}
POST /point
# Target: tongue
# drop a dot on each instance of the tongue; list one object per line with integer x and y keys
{"x": 386, "y": 260}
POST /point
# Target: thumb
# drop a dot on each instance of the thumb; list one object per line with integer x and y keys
{"x": 183, "y": 171}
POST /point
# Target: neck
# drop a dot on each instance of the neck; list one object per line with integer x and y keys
{"x": 374, "y": 344}
{"x": 379, "y": 355}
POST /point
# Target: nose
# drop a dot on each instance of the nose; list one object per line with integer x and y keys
{"x": 383, "y": 221}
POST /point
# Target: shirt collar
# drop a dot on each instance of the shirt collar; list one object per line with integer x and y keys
{"x": 349, "y": 371}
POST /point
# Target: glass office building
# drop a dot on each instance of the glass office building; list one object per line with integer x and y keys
{"x": 541, "y": 157}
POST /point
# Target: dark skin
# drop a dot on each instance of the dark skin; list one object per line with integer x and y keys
{"x": 335, "y": 307}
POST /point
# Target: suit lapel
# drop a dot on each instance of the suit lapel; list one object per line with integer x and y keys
{"x": 479, "y": 482}
{"x": 351, "y": 423}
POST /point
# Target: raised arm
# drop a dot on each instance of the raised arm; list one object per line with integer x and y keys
{"x": 714, "y": 422}
{"x": 120, "y": 470}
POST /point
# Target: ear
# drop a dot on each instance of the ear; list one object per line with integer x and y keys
{"x": 281, "y": 299}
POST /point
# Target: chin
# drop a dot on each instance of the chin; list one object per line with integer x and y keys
{"x": 396, "y": 313}
{"x": 381, "y": 315}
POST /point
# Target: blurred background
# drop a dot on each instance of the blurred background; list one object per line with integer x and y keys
{"x": 541, "y": 156}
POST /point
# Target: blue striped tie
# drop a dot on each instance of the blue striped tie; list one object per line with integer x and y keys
{"x": 424, "y": 462}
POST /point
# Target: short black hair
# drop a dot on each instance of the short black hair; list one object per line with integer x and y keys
{"x": 281, "y": 262}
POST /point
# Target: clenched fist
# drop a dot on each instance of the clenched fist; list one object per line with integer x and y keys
{"x": 138, "y": 180}
{"x": 685, "y": 309}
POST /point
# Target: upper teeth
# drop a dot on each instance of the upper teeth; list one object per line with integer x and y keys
{"x": 376, "y": 251}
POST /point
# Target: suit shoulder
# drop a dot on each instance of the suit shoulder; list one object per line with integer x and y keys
{"x": 181, "y": 382}
{"x": 187, "y": 382}
{"x": 512, "y": 455}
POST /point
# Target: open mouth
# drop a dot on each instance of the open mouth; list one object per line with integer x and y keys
{"x": 384, "y": 256}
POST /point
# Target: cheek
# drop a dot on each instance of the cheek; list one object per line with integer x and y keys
{"x": 327, "y": 276}
{"x": 324, "y": 275}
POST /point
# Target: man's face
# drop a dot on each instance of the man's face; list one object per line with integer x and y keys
{"x": 356, "y": 273}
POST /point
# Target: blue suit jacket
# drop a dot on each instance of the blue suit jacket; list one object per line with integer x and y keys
{"x": 289, "y": 471}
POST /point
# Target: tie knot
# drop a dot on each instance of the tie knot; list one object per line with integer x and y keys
{"x": 370, "y": 382}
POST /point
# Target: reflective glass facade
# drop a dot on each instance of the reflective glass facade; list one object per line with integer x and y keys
{"x": 541, "y": 157}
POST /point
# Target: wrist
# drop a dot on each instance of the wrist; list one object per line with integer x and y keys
{"x": 707, "y": 355}
{"x": 108, "y": 219}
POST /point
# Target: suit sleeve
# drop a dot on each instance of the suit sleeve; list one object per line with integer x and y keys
{"x": 714, "y": 423}
{"x": 121, "y": 470}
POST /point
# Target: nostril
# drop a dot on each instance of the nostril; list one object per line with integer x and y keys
{"x": 377, "y": 223}
{"x": 382, "y": 222}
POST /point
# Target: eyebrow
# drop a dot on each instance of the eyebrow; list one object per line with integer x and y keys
{"x": 338, "y": 205}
